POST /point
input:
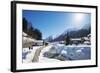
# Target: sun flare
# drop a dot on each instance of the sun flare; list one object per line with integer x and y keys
{"x": 79, "y": 17}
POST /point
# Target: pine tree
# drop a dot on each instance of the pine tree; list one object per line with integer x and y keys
{"x": 67, "y": 39}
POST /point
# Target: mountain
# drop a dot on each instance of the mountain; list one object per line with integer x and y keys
{"x": 73, "y": 34}
{"x": 50, "y": 38}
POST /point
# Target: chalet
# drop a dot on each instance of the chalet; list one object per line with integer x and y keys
{"x": 83, "y": 40}
{"x": 75, "y": 40}
{"x": 30, "y": 42}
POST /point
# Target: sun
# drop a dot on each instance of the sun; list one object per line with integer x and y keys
{"x": 78, "y": 18}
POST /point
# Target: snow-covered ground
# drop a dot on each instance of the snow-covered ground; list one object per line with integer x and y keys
{"x": 27, "y": 55}
{"x": 46, "y": 59}
{"x": 58, "y": 52}
{"x": 72, "y": 52}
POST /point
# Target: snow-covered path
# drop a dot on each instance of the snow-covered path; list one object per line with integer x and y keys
{"x": 37, "y": 53}
{"x": 30, "y": 54}
{"x": 58, "y": 52}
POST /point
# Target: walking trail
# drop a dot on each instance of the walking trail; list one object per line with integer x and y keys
{"x": 37, "y": 53}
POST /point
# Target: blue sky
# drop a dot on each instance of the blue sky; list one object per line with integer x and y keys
{"x": 52, "y": 23}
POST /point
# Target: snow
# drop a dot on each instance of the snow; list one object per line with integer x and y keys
{"x": 71, "y": 52}
{"x": 30, "y": 54}
{"x": 79, "y": 45}
{"x": 24, "y": 34}
{"x": 78, "y": 51}
{"x": 62, "y": 52}
{"x": 75, "y": 39}
{"x": 45, "y": 59}
{"x": 27, "y": 40}
{"x": 57, "y": 51}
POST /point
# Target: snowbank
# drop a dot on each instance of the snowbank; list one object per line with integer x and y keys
{"x": 30, "y": 55}
{"x": 46, "y": 59}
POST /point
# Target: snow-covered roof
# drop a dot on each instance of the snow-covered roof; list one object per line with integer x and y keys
{"x": 89, "y": 35}
{"x": 86, "y": 38}
{"x": 24, "y": 34}
{"x": 27, "y": 40}
{"x": 73, "y": 39}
